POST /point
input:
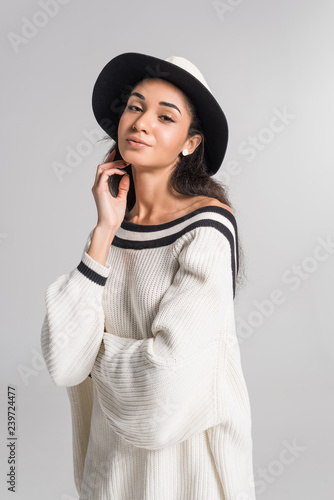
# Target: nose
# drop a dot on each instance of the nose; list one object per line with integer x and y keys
{"x": 143, "y": 122}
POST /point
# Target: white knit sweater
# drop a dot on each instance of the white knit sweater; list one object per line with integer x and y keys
{"x": 147, "y": 349}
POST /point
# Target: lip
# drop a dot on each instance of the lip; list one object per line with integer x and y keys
{"x": 133, "y": 138}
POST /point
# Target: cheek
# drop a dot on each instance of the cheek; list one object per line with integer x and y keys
{"x": 124, "y": 120}
{"x": 170, "y": 140}
{"x": 123, "y": 128}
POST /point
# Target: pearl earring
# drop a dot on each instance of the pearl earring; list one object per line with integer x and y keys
{"x": 185, "y": 152}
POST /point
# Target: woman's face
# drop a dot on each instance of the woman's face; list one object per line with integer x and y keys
{"x": 163, "y": 126}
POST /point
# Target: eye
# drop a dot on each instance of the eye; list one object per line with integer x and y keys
{"x": 133, "y": 106}
{"x": 168, "y": 118}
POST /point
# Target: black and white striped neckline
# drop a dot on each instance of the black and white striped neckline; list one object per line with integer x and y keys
{"x": 139, "y": 236}
{"x": 131, "y": 235}
{"x": 143, "y": 236}
{"x": 131, "y": 226}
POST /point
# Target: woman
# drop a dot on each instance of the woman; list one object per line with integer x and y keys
{"x": 142, "y": 331}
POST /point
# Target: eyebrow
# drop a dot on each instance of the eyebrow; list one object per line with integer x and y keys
{"x": 163, "y": 103}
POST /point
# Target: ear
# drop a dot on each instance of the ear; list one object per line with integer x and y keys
{"x": 192, "y": 143}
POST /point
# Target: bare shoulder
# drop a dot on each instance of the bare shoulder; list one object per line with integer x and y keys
{"x": 213, "y": 202}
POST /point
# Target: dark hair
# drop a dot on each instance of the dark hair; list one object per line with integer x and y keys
{"x": 189, "y": 176}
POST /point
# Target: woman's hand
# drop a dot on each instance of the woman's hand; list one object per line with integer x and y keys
{"x": 110, "y": 210}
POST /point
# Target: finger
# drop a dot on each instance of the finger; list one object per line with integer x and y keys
{"x": 104, "y": 166}
{"x": 108, "y": 172}
{"x": 113, "y": 169}
{"x": 123, "y": 187}
{"x": 116, "y": 164}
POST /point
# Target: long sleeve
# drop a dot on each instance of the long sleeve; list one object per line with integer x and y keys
{"x": 161, "y": 390}
{"x": 73, "y": 326}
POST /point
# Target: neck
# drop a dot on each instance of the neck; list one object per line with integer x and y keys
{"x": 154, "y": 197}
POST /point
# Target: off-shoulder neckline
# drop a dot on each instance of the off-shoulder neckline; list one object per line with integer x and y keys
{"x": 132, "y": 226}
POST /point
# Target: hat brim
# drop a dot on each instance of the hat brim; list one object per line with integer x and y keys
{"x": 111, "y": 92}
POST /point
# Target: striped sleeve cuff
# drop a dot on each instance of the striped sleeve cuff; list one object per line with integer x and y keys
{"x": 93, "y": 270}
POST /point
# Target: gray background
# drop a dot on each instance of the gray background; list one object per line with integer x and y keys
{"x": 259, "y": 58}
